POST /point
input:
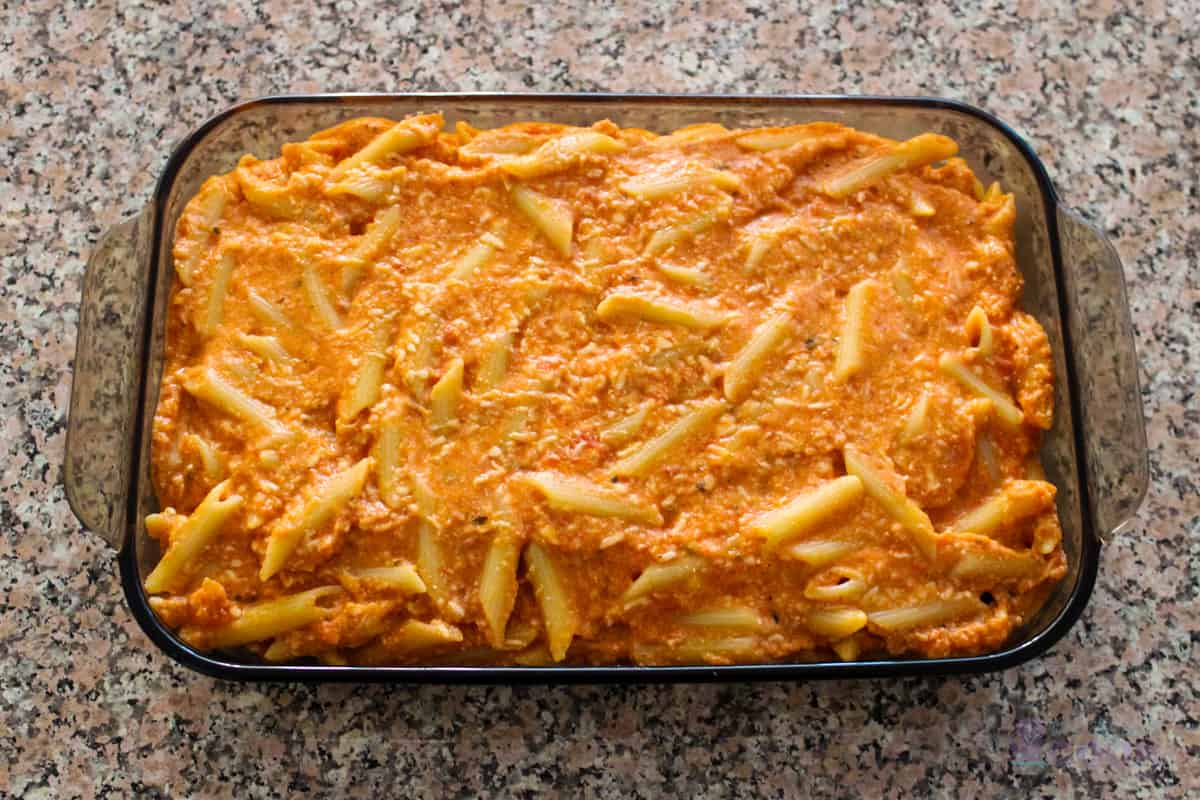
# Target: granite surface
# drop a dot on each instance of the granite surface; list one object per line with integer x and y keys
{"x": 91, "y": 94}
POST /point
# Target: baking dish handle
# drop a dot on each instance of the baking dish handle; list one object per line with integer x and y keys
{"x": 1107, "y": 368}
{"x": 103, "y": 385}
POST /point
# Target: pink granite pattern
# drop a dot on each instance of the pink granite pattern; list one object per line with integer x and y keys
{"x": 91, "y": 94}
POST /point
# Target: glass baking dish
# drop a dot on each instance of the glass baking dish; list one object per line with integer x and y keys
{"x": 1095, "y": 453}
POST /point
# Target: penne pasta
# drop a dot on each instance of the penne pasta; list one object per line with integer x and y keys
{"x": 552, "y": 217}
{"x": 938, "y": 612}
{"x": 1005, "y": 409}
{"x": 215, "y": 311}
{"x": 267, "y": 348}
{"x": 266, "y": 312}
{"x": 476, "y": 257}
{"x": 666, "y": 238}
{"x": 580, "y": 496}
{"x": 368, "y": 380}
{"x": 494, "y": 364}
{"x": 498, "y": 584}
{"x": 694, "y": 177}
{"x": 385, "y": 226}
{"x": 210, "y": 205}
{"x": 685, "y": 276}
{"x": 551, "y": 594}
{"x": 852, "y": 342}
{"x": 312, "y": 514}
{"x": 401, "y": 578}
{"x": 1014, "y": 503}
{"x": 561, "y": 153}
{"x": 979, "y": 332}
{"x": 403, "y": 137}
{"x": 665, "y": 312}
{"x": 690, "y": 425}
{"x": 271, "y": 618}
{"x": 744, "y": 370}
{"x": 1006, "y": 566}
{"x": 205, "y": 384}
{"x": 210, "y": 457}
{"x": 820, "y": 553}
{"x": 836, "y": 584}
{"x": 918, "y": 420}
{"x": 900, "y": 508}
{"x": 735, "y": 618}
{"x": 201, "y": 527}
{"x": 625, "y": 428}
{"x": 809, "y": 511}
{"x": 414, "y": 636}
{"x": 657, "y": 577}
{"x": 446, "y": 395}
{"x": 916, "y": 152}
{"x": 387, "y": 462}
{"x": 322, "y": 306}
{"x": 836, "y": 623}
{"x": 767, "y": 139}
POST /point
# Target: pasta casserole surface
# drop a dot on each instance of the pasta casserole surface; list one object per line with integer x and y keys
{"x": 546, "y": 394}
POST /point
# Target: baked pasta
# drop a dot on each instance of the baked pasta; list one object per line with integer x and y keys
{"x": 546, "y": 394}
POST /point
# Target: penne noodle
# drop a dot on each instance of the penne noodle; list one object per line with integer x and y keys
{"x": 399, "y": 577}
{"x": 900, "y": 508}
{"x": 581, "y": 496}
{"x": 809, "y": 511}
{"x": 205, "y": 384}
{"x": 665, "y": 312}
{"x": 916, "y": 152}
{"x": 1005, "y": 409}
{"x": 1011, "y": 565}
{"x": 656, "y": 187}
{"x": 729, "y": 619}
{"x": 625, "y": 428}
{"x": 446, "y": 395}
{"x": 746, "y": 367}
{"x": 215, "y": 311}
{"x": 266, "y": 312}
{"x": 368, "y": 380}
{"x": 551, "y": 594}
{"x": 403, "y": 137}
{"x": 938, "y": 612}
{"x": 658, "y": 577}
{"x": 767, "y": 139}
{"x": 370, "y": 243}
{"x": 836, "y": 623}
{"x": 836, "y": 584}
{"x": 820, "y": 553}
{"x": 201, "y": 527}
{"x": 387, "y": 459}
{"x": 210, "y": 457}
{"x": 494, "y": 364}
{"x": 265, "y": 347}
{"x": 690, "y": 425}
{"x": 552, "y": 217}
{"x": 498, "y": 585}
{"x": 979, "y": 331}
{"x": 561, "y": 153}
{"x": 1014, "y": 503}
{"x": 852, "y": 342}
{"x": 918, "y": 420}
{"x": 210, "y": 204}
{"x": 476, "y": 257}
{"x": 415, "y": 636}
{"x": 666, "y": 238}
{"x": 322, "y": 306}
{"x": 311, "y": 515}
{"x": 271, "y": 618}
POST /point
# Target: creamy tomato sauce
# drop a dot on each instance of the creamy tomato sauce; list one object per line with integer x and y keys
{"x": 284, "y": 296}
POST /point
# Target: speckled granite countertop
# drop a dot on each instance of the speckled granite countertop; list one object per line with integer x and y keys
{"x": 1109, "y": 95}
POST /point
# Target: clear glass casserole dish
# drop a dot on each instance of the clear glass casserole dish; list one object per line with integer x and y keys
{"x": 1095, "y": 453}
